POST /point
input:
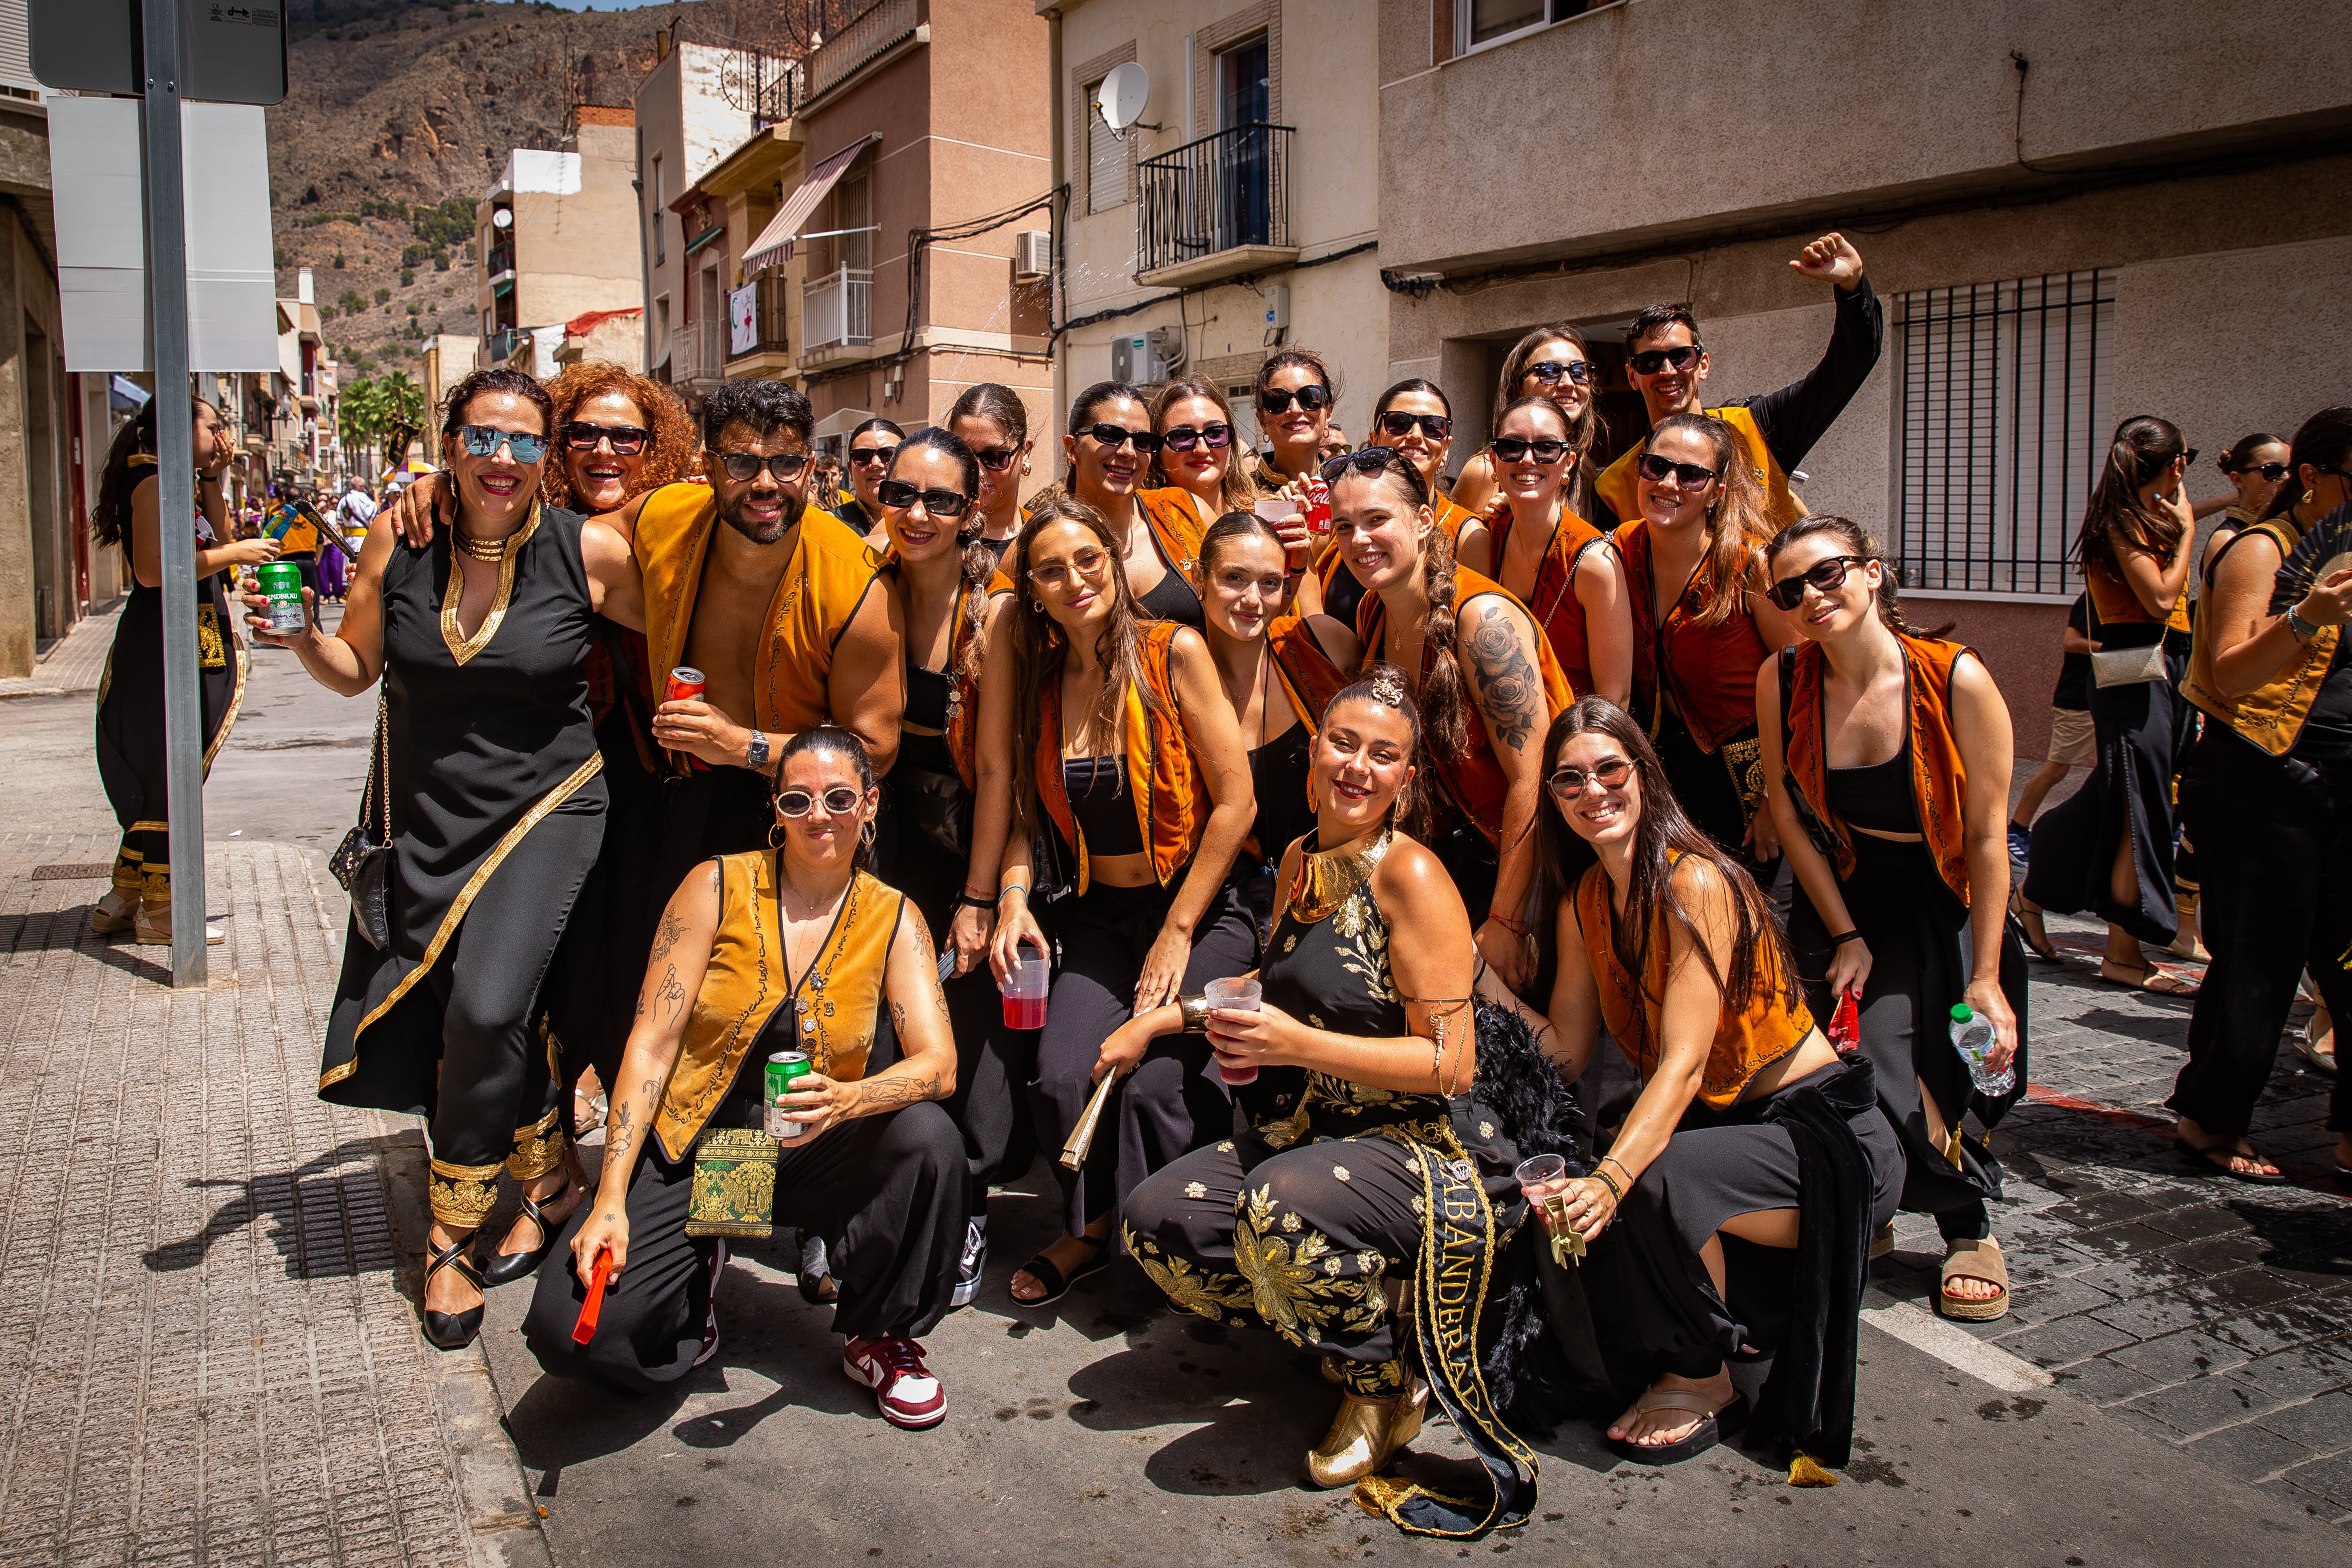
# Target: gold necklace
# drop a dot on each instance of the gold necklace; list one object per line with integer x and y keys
{"x": 491, "y": 551}
{"x": 1329, "y": 878}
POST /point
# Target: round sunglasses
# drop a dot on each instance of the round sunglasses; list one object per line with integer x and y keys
{"x": 1569, "y": 782}
{"x": 838, "y": 802}
{"x": 1088, "y": 562}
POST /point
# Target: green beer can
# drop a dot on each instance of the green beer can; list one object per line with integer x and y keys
{"x": 784, "y": 1068}
{"x": 282, "y": 586}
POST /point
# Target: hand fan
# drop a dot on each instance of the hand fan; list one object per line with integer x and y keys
{"x": 2325, "y": 549}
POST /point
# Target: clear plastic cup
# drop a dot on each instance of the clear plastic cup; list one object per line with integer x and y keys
{"x": 1543, "y": 1181}
{"x": 1237, "y": 995}
{"x": 1024, "y": 991}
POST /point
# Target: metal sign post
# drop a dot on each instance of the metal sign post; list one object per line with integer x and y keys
{"x": 167, "y": 294}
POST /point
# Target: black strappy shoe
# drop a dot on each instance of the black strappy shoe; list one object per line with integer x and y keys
{"x": 818, "y": 1287}
{"x": 510, "y": 1265}
{"x": 1057, "y": 1284}
{"x": 453, "y": 1331}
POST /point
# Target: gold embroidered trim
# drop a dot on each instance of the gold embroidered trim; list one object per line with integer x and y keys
{"x": 228, "y": 719}
{"x": 462, "y": 1200}
{"x": 150, "y": 828}
{"x": 461, "y": 647}
{"x": 538, "y": 1149}
{"x": 462, "y": 902}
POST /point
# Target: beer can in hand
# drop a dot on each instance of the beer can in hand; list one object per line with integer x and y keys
{"x": 785, "y": 1069}
{"x": 282, "y": 586}
{"x": 685, "y": 684}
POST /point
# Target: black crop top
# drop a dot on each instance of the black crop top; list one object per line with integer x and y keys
{"x": 1877, "y": 798}
{"x": 927, "y": 691}
{"x": 1099, "y": 801}
{"x": 1173, "y": 599}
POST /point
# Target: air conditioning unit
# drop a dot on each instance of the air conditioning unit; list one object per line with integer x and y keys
{"x": 1146, "y": 358}
{"x": 1033, "y": 255}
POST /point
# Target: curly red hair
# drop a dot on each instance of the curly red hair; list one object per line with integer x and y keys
{"x": 667, "y": 453}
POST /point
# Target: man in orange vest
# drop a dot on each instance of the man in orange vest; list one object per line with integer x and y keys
{"x": 1667, "y": 362}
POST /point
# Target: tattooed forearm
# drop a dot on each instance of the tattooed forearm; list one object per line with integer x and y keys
{"x": 670, "y": 992}
{"x": 1510, "y": 694}
{"x": 899, "y": 1020}
{"x": 892, "y": 1091}
{"x": 930, "y": 971}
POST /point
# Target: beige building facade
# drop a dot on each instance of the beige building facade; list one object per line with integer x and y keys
{"x": 2062, "y": 239}
{"x": 1241, "y": 213}
{"x": 557, "y": 235}
{"x": 690, "y": 114}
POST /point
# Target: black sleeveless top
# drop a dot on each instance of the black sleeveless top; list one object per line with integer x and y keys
{"x": 1878, "y": 798}
{"x": 1278, "y": 772}
{"x": 1098, "y": 800}
{"x": 927, "y": 691}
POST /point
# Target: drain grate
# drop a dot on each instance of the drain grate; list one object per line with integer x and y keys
{"x": 64, "y": 872}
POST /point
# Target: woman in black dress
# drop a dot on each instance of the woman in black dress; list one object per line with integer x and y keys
{"x": 498, "y": 807}
{"x": 131, "y": 753}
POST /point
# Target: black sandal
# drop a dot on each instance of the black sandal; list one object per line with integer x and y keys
{"x": 2204, "y": 1158}
{"x": 453, "y": 1331}
{"x": 511, "y": 1266}
{"x": 1715, "y": 1424}
{"x": 1057, "y": 1285}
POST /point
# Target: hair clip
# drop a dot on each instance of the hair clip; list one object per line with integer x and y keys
{"x": 1388, "y": 689}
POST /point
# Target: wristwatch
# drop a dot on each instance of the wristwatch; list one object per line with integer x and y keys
{"x": 757, "y": 757}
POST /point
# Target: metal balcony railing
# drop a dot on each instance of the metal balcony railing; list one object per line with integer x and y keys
{"x": 1220, "y": 193}
{"x": 501, "y": 345}
{"x": 767, "y": 316}
{"x": 864, "y": 36}
{"x": 836, "y": 309}
{"x": 500, "y": 259}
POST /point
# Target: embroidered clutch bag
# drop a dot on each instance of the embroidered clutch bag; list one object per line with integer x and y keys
{"x": 734, "y": 1184}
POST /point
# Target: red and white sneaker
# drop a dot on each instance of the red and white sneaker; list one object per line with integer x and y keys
{"x": 903, "y": 1386}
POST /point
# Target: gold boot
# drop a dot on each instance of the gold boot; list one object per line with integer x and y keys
{"x": 1366, "y": 1435}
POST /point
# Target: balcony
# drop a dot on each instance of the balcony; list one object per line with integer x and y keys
{"x": 836, "y": 309}
{"x": 1217, "y": 208}
{"x": 498, "y": 263}
{"x": 502, "y": 343}
{"x": 760, "y": 349}
{"x": 863, "y": 41}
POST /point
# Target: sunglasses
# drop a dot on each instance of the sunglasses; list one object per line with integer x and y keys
{"x": 1273, "y": 400}
{"x": 1552, "y": 372}
{"x": 863, "y": 455}
{"x": 1183, "y": 438}
{"x": 1397, "y": 424}
{"x": 1823, "y": 577}
{"x": 1569, "y": 783}
{"x": 628, "y": 440}
{"x": 2273, "y": 472}
{"x": 996, "y": 459}
{"x": 1649, "y": 362}
{"x": 2187, "y": 457}
{"x": 1087, "y": 563}
{"x": 1511, "y": 449}
{"x": 1690, "y": 476}
{"x": 744, "y": 466}
{"x": 482, "y": 440}
{"x": 1366, "y": 460}
{"x": 1113, "y": 438}
{"x": 898, "y": 494}
{"x": 838, "y": 802}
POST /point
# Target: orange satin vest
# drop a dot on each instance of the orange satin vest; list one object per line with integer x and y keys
{"x": 1617, "y": 483}
{"x": 831, "y": 571}
{"x": 1309, "y": 678}
{"x": 1710, "y": 672}
{"x": 1554, "y": 603}
{"x": 1475, "y": 781}
{"x": 1170, "y": 795}
{"x": 2270, "y": 716}
{"x": 746, "y": 981}
{"x": 1939, "y": 777}
{"x": 2118, "y": 605}
{"x": 1745, "y": 1043}
{"x": 1176, "y": 528}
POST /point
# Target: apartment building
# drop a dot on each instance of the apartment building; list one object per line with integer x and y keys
{"x": 556, "y": 235}
{"x": 2072, "y": 215}
{"x": 1240, "y": 213}
{"x": 692, "y": 111}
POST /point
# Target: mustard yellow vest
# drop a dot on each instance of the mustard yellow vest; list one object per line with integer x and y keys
{"x": 1616, "y": 484}
{"x": 746, "y": 982}
{"x": 2270, "y": 716}
{"x": 830, "y": 572}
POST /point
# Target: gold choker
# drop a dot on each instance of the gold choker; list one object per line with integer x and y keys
{"x": 1329, "y": 878}
{"x": 492, "y": 550}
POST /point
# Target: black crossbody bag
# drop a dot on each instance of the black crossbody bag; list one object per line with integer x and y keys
{"x": 362, "y": 864}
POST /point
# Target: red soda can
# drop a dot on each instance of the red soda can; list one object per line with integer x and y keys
{"x": 685, "y": 684}
{"x": 1318, "y": 505}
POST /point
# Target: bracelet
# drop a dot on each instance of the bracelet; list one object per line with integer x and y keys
{"x": 2298, "y": 628}
{"x": 968, "y": 902}
{"x": 1605, "y": 1159}
{"x": 1195, "y": 1009}
{"x": 1516, "y": 928}
{"x": 971, "y": 893}
{"x": 1842, "y": 941}
{"x": 1615, "y": 1192}
{"x": 1020, "y": 888}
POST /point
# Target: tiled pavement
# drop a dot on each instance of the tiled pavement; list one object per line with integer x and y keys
{"x": 205, "y": 1356}
{"x": 74, "y": 662}
{"x": 2211, "y": 1314}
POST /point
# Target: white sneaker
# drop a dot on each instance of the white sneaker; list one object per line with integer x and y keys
{"x": 973, "y": 1261}
{"x": 903, "y": 1386}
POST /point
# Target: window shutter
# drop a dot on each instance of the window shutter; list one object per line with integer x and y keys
{"x": 1106, "y": 160}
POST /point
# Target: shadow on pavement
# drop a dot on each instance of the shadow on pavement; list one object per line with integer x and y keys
{"x": 285, "y": 1197}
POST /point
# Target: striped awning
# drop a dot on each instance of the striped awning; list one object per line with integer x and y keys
{"x": 775, "y": 241}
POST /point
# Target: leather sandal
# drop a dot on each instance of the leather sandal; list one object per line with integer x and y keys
{"x": 1719, "y": 1421}
{"x": 1883, "y": 1241}
{"x": 1969, "y": 1259}
{"x": 453, "y": 1331}
{"x": 2214, "y": 1159}
{"x": 2027, "y": 920}
{"x": 1057, "y": 1284}
{"x": 510, "y": 1265}
{"x": 1365, "y": 1436}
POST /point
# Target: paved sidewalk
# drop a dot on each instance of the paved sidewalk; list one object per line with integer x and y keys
{"x": 205, "y": 1352}
{"x": 74, "y": 663}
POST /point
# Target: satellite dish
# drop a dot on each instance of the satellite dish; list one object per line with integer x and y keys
{"x": 1123, "y": 95}
{"x": 502, "y": 218}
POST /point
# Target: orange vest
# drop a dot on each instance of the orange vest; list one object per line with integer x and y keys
{"x": 2118, "y": 605}
{"x": 747, "y": 979}
{"x": 1170, "y": 796}
{"x": 1475, "y": 781}
{"x": 1939, "y": 776}
{"x": 818, "y": 595}
{"x": 1745, "y": 1043}
{"x": 1309, "y": 678}
{"x": 2270, "y": 716}
{"x": 1616, "y": 485}
{"x": 1176, "y": 527}
{"x": 1709, "y": 671}
{"x": 1557, "y": 609}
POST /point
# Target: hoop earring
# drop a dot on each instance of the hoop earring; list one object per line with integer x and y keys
{"x": 775, "y": 842}
{"x": 1037, "y": 605}
{"x": 2308, "y": 497}
{"x": 866, "y": 834}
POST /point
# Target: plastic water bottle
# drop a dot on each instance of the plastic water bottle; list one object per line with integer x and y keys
{"x": 1972, "y": 1036}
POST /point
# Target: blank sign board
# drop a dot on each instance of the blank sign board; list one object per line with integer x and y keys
{"x": 228, "y": 53}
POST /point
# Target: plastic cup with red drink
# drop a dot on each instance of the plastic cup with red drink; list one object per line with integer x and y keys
{"x": 1241, "y": 995}
{"x": 1024, "y": 989}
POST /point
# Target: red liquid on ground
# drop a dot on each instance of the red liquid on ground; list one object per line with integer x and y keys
{"x": 1024, "y": 1012}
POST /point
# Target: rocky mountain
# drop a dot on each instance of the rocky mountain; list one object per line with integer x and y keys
{"x": 399, "y": 115}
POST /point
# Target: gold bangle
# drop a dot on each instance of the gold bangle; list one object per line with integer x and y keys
{"x": 1605, "y": 1159}
{"x": 1195, "y": 1010}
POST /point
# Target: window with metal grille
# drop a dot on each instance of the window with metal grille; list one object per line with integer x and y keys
{"x": 2002, "y": 424}
{"x": 1106, "y": 159}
